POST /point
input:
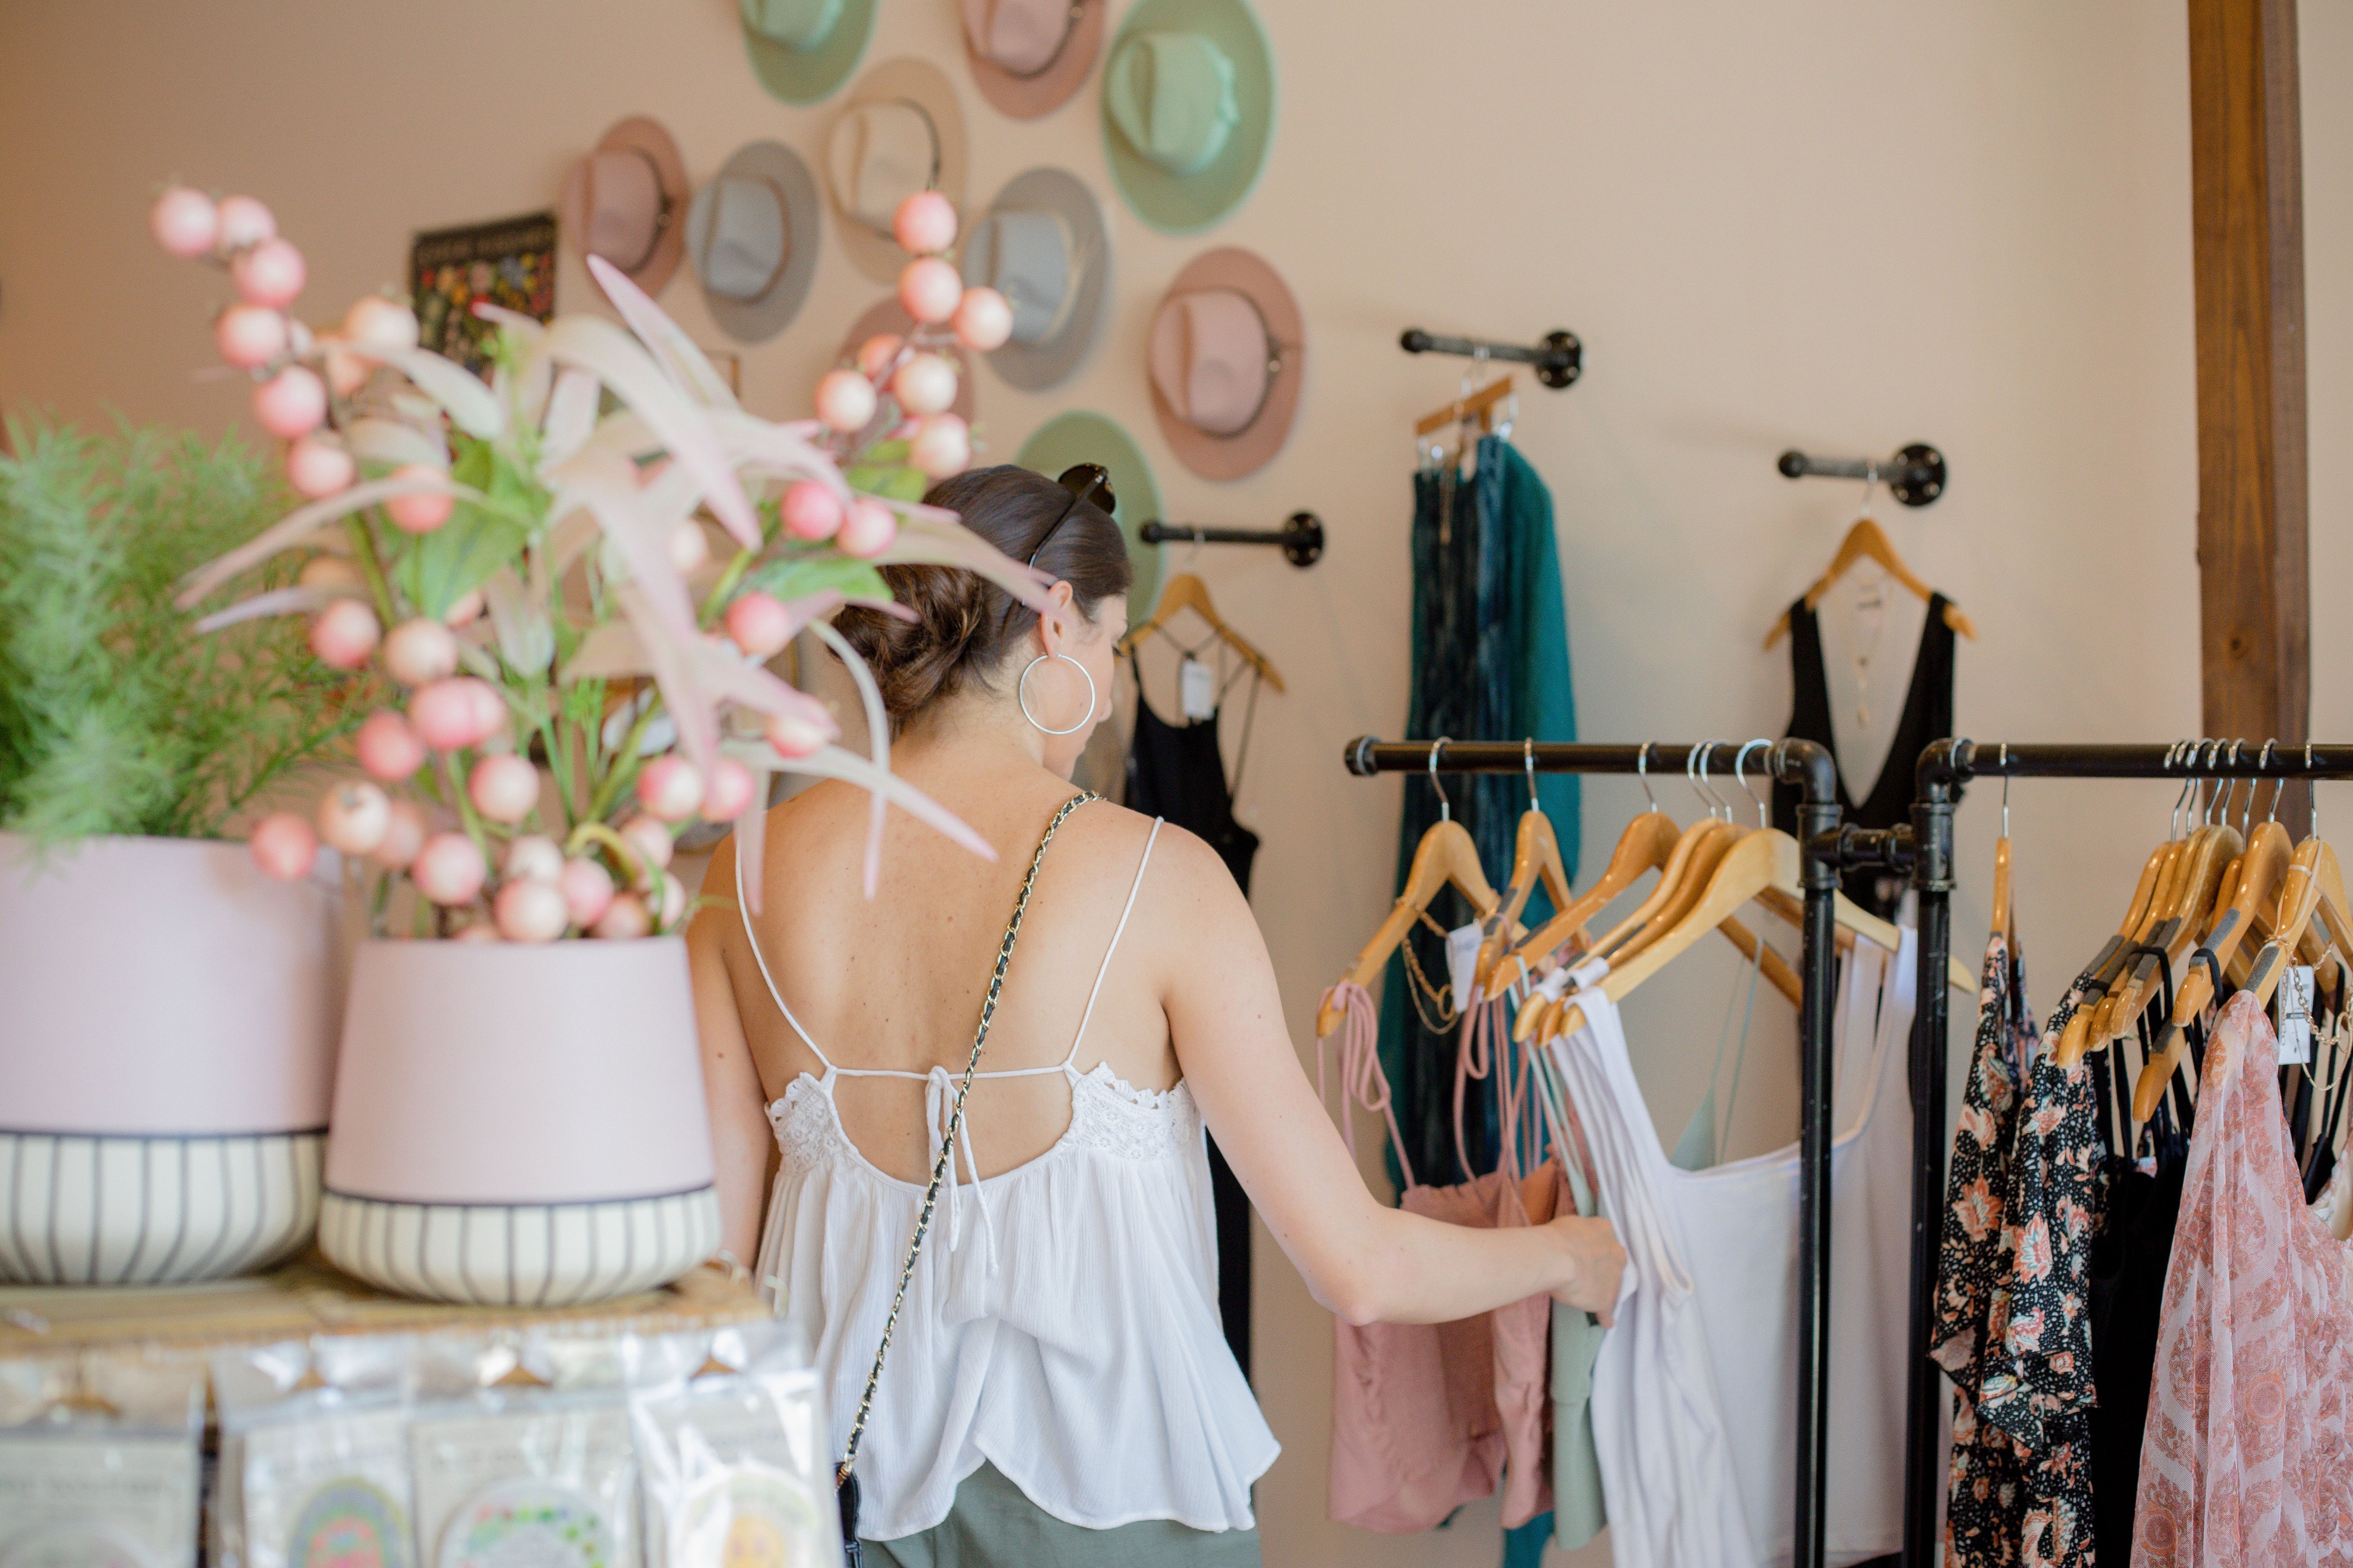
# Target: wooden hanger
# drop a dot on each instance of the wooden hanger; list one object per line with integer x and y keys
{"x": 1187, "y": 592}
{"x": 1445, "y": 855}
{"x": 1764, "y": 858}
{"x": 2199, "y": 903}
{"x": 2260, "y": 871}
{"x": 1867, "y": 541}
{"x": 1535, "y": 854}
{"x": 1477, "y": 407}
{"x": 2110, "y": 959}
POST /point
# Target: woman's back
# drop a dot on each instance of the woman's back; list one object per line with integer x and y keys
{"x": 896, "y": 983}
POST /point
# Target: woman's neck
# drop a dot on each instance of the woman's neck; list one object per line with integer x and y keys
{"x": 964, "y": 736}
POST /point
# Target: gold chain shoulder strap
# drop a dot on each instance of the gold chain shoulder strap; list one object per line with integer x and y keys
{"x": 940, "y": 1167}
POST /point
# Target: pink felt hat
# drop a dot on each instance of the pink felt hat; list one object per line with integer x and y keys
{"x": 626, "y": 201}
{"x": 1029, "y": 57}
{"x": 1228, "y": 357}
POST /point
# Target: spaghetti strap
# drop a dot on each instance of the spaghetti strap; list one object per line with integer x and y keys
{"x": 1116, "y": 931}
{"x": 745, "y": 910}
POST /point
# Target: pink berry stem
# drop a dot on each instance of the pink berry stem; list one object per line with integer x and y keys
{"x": 467, "y": 816}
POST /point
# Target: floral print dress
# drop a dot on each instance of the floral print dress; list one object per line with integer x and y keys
{"x": 2245, "y": 1460}
{"x": 2013, "y": 1320}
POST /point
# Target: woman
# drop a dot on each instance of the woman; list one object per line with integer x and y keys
{"x": 1057, "y": 1389}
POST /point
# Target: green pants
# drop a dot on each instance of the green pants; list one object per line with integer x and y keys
{"x": 993, "y": 1525}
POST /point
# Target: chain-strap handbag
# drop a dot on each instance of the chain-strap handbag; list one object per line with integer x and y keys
{"x": 845, "y": 1483}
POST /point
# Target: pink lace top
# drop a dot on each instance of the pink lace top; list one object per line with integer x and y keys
{"x": 2244, "y": 1460}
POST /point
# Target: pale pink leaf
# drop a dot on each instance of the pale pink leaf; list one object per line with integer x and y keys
{"x": 300, "y": 524}
{"x": 396, "y": 441}
{"x": 463, "y": 395}
{"x": 834, "y": 762}
{"x": 687, "y": 365}
{"x": 878, "y": 734}
{"x": 295, "y": 601}
{"x": 619, "y": 361}
{"x": 571, "y": 414}
{"x": 690, "y": 708}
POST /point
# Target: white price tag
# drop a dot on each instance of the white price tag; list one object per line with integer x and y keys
{"x": 1462, "y": 963}
{"x": 2295, "y": 1016}
{"x": 1196, "y": 690}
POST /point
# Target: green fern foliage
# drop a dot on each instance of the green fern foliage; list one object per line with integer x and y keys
{"x": 116, "y": 715}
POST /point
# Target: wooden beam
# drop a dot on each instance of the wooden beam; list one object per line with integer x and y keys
{"x": 2247, "y": 218}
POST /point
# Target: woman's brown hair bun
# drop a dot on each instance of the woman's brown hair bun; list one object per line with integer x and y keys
{"x": 965, "y": 624}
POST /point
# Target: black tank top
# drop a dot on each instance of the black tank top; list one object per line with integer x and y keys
{"x": 1927, "y": 716}
{"x": 1177, "y": 772}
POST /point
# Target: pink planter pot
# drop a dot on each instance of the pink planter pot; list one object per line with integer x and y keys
{"x": 166, "y": 1060}
{"x": 520, "y": 1125}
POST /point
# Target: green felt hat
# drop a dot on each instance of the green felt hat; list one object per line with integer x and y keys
{"x": 1188, "y": 109}
{"x": 802, "y": 49}
{"x": 1082, "y": 437}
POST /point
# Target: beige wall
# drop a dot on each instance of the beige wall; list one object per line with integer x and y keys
{"x": 1835, "y": 224}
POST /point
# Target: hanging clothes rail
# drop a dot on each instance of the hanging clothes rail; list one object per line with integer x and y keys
{"x": 1558, "y": 357}
{"x": 1301, "y": 536}
{"x": 1811, "y": 768}
{"x": 1924, "y": 850}
{"x": 1915, "y": 476}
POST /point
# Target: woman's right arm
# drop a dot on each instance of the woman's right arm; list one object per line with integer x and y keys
{"x": 740, "y": 1141}
{"x": 1367, "y": 1262}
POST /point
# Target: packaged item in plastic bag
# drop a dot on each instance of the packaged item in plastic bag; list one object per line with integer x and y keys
{"x": 99, "y": 1460}
{"x": 520, "y": 1444}
{"x": 314, "y": 1454}
{"x": 731, "y": 1433}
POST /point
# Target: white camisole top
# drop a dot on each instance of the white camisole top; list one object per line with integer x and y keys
{"x": 1061, "y": 1323}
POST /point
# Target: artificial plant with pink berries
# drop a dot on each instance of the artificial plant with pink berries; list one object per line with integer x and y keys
{"x": 571, "y": 610}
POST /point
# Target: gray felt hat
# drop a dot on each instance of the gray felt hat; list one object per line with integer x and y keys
{"x": 752, "y": 233}
{"x": 1043, "y": 245}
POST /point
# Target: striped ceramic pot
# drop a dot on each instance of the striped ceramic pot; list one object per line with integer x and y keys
{"x": 167, "y": 1029}
{"x": 520, "y": 1125}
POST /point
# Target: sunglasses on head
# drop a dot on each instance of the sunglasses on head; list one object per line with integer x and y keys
{"x": 1084, "y": 480}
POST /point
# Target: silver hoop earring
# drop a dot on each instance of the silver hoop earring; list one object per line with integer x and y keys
{"x": 1021, "y": 689}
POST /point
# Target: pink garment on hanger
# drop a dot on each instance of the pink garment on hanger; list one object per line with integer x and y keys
{"x": 2244, "y": 1461}
{"x": 1429, "y": 1416}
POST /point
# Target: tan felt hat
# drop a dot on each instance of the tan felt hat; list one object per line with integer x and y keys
{"x": 900, "y": 130}
{"x": 1030, "y": 57}
{"x": 1228, "y": 355}
{"x": 626, "y": 201}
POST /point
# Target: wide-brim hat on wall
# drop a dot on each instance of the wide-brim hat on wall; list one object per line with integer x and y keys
{"x": 1084, "y": 438}
{"x": 802, "y": 49}
{"x": 1043, "y": 245}
{"x": 1188, "y": 110}
{"x": 1030, "y": 57}
{"x": 888, "y": 315}
{"x": 751, "y": 233}
{"x": 626, "y": 201}
{"x": 900, "y": 130}
{"x": 1227, "y": 356}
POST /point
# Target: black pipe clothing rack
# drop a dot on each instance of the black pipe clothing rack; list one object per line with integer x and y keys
{"x": 1811, "y": 768}
{"x": 1924, "y": 850}
{"x": 1558, "y": 357}
{"x": 1301, "y": 536}
{"x": 1915, "y": 476}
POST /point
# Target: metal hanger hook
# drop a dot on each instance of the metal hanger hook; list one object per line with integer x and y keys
{"x": 2248, "y": 809}
{"x": 1642, "y": 773}
{"x": 1528, "y": 762}
{"x": 2279, "y": 785}
{"x": 2312, "y": 787}
{"x": 1739, "y": 762}
{"x": 2005, "y": 789}
{"x": 1445, "y": 806}
{"x": 2210, "y": 759}
{"x": 2174, "y": 756}
{"x": 1704, "y": 754}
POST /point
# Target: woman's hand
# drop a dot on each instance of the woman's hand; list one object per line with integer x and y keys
{"x": 1596, "y": 1263}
